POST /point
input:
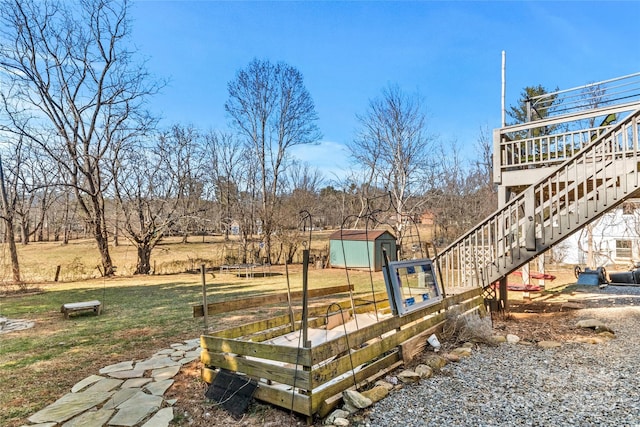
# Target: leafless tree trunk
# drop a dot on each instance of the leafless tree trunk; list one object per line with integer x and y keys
{"x": 74, "y": 92}
{"x": 7, "y": 216}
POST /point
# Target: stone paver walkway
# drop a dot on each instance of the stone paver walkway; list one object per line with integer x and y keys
{"x": 125, "y": 394}
{"x": 12, "y": 325}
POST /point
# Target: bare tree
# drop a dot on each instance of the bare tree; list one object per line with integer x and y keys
{"x": 151, "y": 198}
{"x": 73, "y": 90}
{"x": 273, "y": 111}
{"x": 392, "y": 148}
{"x": 183, "y": 150}
{"x": 227, "y": 171}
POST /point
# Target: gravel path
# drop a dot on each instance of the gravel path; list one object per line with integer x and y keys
{"x": 518, "y": 385}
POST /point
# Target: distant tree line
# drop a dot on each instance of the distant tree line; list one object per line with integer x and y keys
{"x": 81, "y": 155}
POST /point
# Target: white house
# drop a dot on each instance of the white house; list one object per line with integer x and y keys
{"x": 615, "y": 239}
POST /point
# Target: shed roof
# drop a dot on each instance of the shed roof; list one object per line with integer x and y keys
{"x": 363, "y": 235}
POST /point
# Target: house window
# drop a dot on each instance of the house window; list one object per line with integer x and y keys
{"x": 623, "y": 248}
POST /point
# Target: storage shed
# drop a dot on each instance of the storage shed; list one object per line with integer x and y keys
{"x": 361, "y": 248}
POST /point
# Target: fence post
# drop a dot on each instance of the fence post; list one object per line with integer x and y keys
{"x": 204, "y": 299}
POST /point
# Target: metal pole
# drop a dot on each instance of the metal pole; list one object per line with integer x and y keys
{"x": 504, "y": 87}
{"x": 305, "y": 298}
{"x": 204, "y": 299}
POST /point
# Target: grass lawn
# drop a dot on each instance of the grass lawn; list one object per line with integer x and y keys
{"x": 142, "y": 314}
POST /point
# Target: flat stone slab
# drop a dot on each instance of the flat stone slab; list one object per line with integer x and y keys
{"x": 86, "y": 382}
{"x": 156, "y": 363}
{"x": 165, "y": 373}
{"x": 91, "y": 419}
{"x": 70, "y": 405}
{"x": 186, "y": 360}
{"x": 40, "y": 425}
{"x": 162, "y": 418}
{"x": 157, "y": 388}
{"x": 120, "y": 397}
{"x": 105, "y": 384}
{"x": 12, "y": 325}
{"x": 122, "y": 366}
{"x": 136, "y": 382}
{"x": 136, "y": 409}
{"x": 186, "y": 347}
{"x": 132, "y": 373}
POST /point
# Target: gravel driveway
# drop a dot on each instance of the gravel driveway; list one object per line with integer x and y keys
{"x": 576, "y": 384}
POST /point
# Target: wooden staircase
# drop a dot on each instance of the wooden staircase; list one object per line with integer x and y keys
{"x": 575, "y": 187}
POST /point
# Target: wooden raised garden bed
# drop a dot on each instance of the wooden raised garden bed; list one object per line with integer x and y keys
{"x": 310, "y": 380}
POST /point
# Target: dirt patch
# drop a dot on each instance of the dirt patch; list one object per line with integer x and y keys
{"x": 192, "y": 409}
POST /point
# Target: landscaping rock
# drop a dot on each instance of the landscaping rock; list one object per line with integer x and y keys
{"x": 594, "y": 324}
{"x": 408, "y": 376}
{"x": 341, "y": 422}
{"x": 462, "y": 352}
{"x": 349, "y": 408}
{"x": 385, "y": 384}
{"x": 572, "y": 306}
{"x": 391, "y": 380}
{"x": 451, "y": 357}
{"x": 376, "y": 394}
{"x": 435, "y": 361}
{"x": 338, "y": 413}
{"x": 589, "y": 340}
{"x": 606, "y": 334}
{"x": 549, "y": 344}
{"x": 424, "y": 371}
{"x": 512, "y": 339}
{"x": 356, "y": 399}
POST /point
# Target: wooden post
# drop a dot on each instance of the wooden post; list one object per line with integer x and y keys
{"x": 204, "y": 299}
{"x": 503, "y": 294}
{"x": 57, "y": 274}
{"x": 291, "y": 316}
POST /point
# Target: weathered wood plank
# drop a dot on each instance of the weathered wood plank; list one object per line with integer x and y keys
{"x": 345, "y": 363}
{"x": 283, "y": 320}
{"x": 359, "y": 337}
{"x": 262, "y": 300}
{"x": 321, "y": 400}
{"x": 256, "y": 327}
{"x": 279, "y": 353}
{"x": 282, "y": 330}
{"x": 416, "y": 344}
{"x": 272, "y": 394}
{"x": 258, "y": 369}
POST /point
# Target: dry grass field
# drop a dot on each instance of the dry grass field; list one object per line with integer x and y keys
{"x": 142, "y": 313}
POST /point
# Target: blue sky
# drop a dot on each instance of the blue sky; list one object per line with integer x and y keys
{"x": 448, "y": 51}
